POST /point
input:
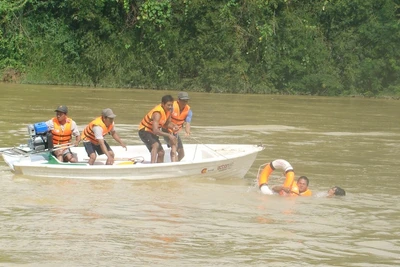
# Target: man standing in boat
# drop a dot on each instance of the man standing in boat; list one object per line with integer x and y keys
{"x": 150, "y": 130}
{"x": 93, "y": 137}
{"x": 181, "y": 115}
{"x": 62, "y": 129}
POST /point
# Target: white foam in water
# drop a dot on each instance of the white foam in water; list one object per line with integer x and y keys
{"x": 321, "y": 194}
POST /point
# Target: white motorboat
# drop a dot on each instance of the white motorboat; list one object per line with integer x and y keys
{"x": 201, "y": 160}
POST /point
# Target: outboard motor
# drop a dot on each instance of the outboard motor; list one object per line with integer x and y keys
{"x": 40, "y": 137}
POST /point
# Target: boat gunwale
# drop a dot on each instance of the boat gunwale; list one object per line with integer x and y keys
{"x": 65, "y": 165}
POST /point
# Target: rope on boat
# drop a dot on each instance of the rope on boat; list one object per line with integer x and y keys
{"x": 194, "y": 138}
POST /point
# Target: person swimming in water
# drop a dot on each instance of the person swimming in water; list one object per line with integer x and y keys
{"x": 301, "y": 184}
{"x": 336, "y": 191}
{"x": 332, "y": 192}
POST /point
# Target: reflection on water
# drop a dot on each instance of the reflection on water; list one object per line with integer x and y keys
{"x": 352, "y": 143}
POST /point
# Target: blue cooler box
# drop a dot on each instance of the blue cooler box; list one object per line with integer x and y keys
{"x": 40, "y": 128}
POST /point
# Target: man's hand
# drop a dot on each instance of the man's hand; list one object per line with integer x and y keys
{"x": 123, "y": 145}
{"x": 175, "y": 127}
{"x": 286, "y": 189}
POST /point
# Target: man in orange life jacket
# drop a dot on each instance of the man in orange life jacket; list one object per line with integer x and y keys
{"x": 150, "y": 130}
{"x": 63, "y": 128}
{"x": 93, "y": 137}
{"x": 301, "y": 184}
{"x": 181, "y": 115}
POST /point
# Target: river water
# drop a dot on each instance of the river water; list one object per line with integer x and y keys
{"x": 350, "y": 142}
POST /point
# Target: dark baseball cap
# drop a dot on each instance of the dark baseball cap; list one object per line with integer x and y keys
{"x": 63, "y": 109}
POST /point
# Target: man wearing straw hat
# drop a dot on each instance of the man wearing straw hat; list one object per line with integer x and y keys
{"x": 62, "y": 129}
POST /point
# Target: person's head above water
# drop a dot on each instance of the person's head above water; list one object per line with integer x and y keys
{"x": 302, "y": 183}
{"x": 336, "y": 191}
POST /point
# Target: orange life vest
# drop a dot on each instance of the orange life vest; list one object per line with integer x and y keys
{"x": 147, "y": 121}
{"x": 88, "y": 134}
{"x": 61, "y": 136}
{"x": 294, "y": 191}
{"x": 306, "y": 193}
{"x": 178, "y": 117}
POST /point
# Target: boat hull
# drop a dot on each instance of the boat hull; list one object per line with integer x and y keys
{"x": 216, "y": 161}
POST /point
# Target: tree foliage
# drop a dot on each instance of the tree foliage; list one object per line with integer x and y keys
{"x": 329, "y": 47}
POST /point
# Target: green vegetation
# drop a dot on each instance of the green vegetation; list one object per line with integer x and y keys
{"x": 326, "y": 47}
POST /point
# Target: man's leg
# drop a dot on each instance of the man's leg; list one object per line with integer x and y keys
{"x": 90, "y": 151}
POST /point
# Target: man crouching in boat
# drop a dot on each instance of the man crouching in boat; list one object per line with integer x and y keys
{"x": 62, "y": 129}
{"x": 150, "y": 130}
{"x": 300, "y": 188}
{"x": 93, "y": 137}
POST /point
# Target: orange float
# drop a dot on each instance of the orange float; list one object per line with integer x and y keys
{"x": 279, "y": 164}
